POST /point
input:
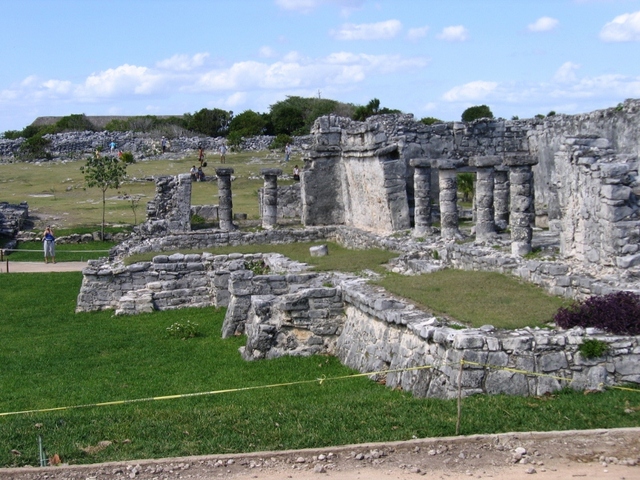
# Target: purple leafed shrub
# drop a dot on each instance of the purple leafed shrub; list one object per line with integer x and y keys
{"x": 617, "y": 313}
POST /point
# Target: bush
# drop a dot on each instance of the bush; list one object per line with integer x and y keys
{"x": 281, "y": 141}
{"x": 474, "y": 113}
{"x": 430, "y": 120}
{"x": 593, "y": 348}
{"x": 617, "y": 313}
{"x": 183, "y": 330}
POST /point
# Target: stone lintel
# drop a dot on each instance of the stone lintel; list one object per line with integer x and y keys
{"x": 381, "y": 152}
{"x": 480, "y": 161}
{"x": 224, "y": 171}
{"x": 271, "y": 171}
{"x": 446, "y": 163}
{"x": 420, "y": 162}
{"x": 517, "y": 159}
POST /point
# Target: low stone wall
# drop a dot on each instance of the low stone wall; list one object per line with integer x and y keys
{"x": 167, "y": 282}
{"x": 12, "y": 218}
{"x": 289, "y": 201}
{"x": 74, "y": 145}
{"x": 371, "y": 331}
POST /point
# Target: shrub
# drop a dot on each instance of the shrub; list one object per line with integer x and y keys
{"x": 183, "y": 330}
{"x": 281, "y": 141}
{"x": 430, "y": 120}
{"x": 258, "y": 267}
{"x": 617, "y": 313}
{"x": 593, "y": 348}
{"x": 474, "y": 113}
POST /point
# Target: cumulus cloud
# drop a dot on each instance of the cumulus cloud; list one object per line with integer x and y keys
{"x": 308, "y": 6}
{"x": 266, "y": 52}
{"x": 543, "y": 24}
{"x": 455, "y": 33}
{"x": 566, "y": 73}
{"x": 121, "y": 80}
{"x": 368, "y": 31}
{"x": 623, "y": 28}
{"x": 417, "y": 33}
{"x": 472, "y": 91}
{"x": 183, "y": 63}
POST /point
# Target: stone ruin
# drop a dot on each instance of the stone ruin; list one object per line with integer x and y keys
{"x": 387, "y": 183}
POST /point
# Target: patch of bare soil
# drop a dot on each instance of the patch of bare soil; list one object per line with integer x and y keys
{"x": 594, "y": 454}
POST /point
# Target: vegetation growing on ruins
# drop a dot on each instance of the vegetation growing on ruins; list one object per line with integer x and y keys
{"x": 53, "y": 357}
{"x": 617, "y": 313}
{"x": 481, "y": 298}
{"x": 476, "y": 112}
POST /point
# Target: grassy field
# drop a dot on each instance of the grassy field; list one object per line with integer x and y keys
{"x": 57, "y": 188}
{"x": 52, "y": 357}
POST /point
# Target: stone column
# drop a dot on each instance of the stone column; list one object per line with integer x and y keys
{"x": 448, "y": 183}
{"x": 485, "y": 223}
{"x": 270, "y": 197}
{"x": 501, "y": 198}
{"x": 225, "y": 204}
{"x": 521, "y": 198}
{"x": 422, "y": 196}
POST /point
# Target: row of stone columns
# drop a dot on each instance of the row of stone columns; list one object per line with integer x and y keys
{"x": 500, "y": 182}
{"x": 269, "y": 199}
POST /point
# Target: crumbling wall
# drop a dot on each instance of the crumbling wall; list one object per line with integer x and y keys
{"x": 12, "y": 218}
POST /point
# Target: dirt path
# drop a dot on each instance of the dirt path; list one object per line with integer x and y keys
{"x": 594, "y": 454}
{"x": 39, "y": 267}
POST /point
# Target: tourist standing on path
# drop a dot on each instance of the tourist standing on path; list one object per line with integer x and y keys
{"x": 49, "y": 245}
{"x": 287, "y": 152}
{"x": 164, "y": 144}
{"x": 296, "y": 173}
{"x": 223, "y": 151}
{"x": 201, "y": 156}
{"x": 112, "y": 146}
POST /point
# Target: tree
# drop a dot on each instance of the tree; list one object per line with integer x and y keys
{"x": 213, "y": 123}
{"x": 372, "y": 108}
{"x": 474, "y": 113}
{"x": 248, "y": 124}
{"x": 465, "y": 185}
{"x": 105, "y": 172}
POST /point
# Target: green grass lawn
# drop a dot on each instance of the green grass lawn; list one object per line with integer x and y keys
{"x": 52, "y": 357}
{"x": 478, "y": 298}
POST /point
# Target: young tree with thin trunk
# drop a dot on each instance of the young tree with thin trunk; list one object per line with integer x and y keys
{"x": 105, "y": 172}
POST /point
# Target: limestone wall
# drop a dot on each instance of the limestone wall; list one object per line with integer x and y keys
{"x": 12, "y": 218}
{"x": 371, "y": 331}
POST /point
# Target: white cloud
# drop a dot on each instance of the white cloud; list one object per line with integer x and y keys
{"x": 623, "y": 28}
{"x": 472, "y": 91}
{"x": 543, "y": 24}
{"x": 566, "y": 73}
{"x": 125, "y": 79}
{"x": 417, "y": 33}
{"x": 455, "y": 33}
{"x": 308, "y": 6}
{"x": 183, "y": 63}
{"x": 302, "y": 6}
{"x": 266, "y": 52}
{"x": 368, "y": 31}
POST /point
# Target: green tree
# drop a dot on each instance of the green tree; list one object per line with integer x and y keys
{"x": 295, "y": 115}
{"x": 105, "y": 172}
{"x": 363, "y": 112}
{"x": 213, "y": 123}
{"x": 474, "y": 113}
{"x": 465, "y": 185}
{"x": 248, "y": 124}
{"x": 430, "y": 120}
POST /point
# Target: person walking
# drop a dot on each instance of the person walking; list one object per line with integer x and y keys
{"x": 49, "y": 241}
{"x": 223, "y": 151}
{"x": 287, "y": 152}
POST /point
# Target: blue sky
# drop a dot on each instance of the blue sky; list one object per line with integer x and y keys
{"x": 426, "y": 57}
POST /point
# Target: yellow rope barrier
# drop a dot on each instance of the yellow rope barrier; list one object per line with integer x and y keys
{"x": 320, "y": 381}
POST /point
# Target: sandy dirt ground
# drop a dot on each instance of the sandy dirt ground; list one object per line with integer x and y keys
{"x": 39, "y": 267}
{"x": 594, "y": 454}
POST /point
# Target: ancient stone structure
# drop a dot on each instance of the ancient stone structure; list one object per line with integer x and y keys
{"x": 225, "y": 203}
{"x": 170, "y": 210}
{"x": 270, "y": 197}
{"x": 288, "y": 310}
{"x": 12, "y": 218}
{"x": 361, "y": 182}
{"x": 422, "y": 196}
